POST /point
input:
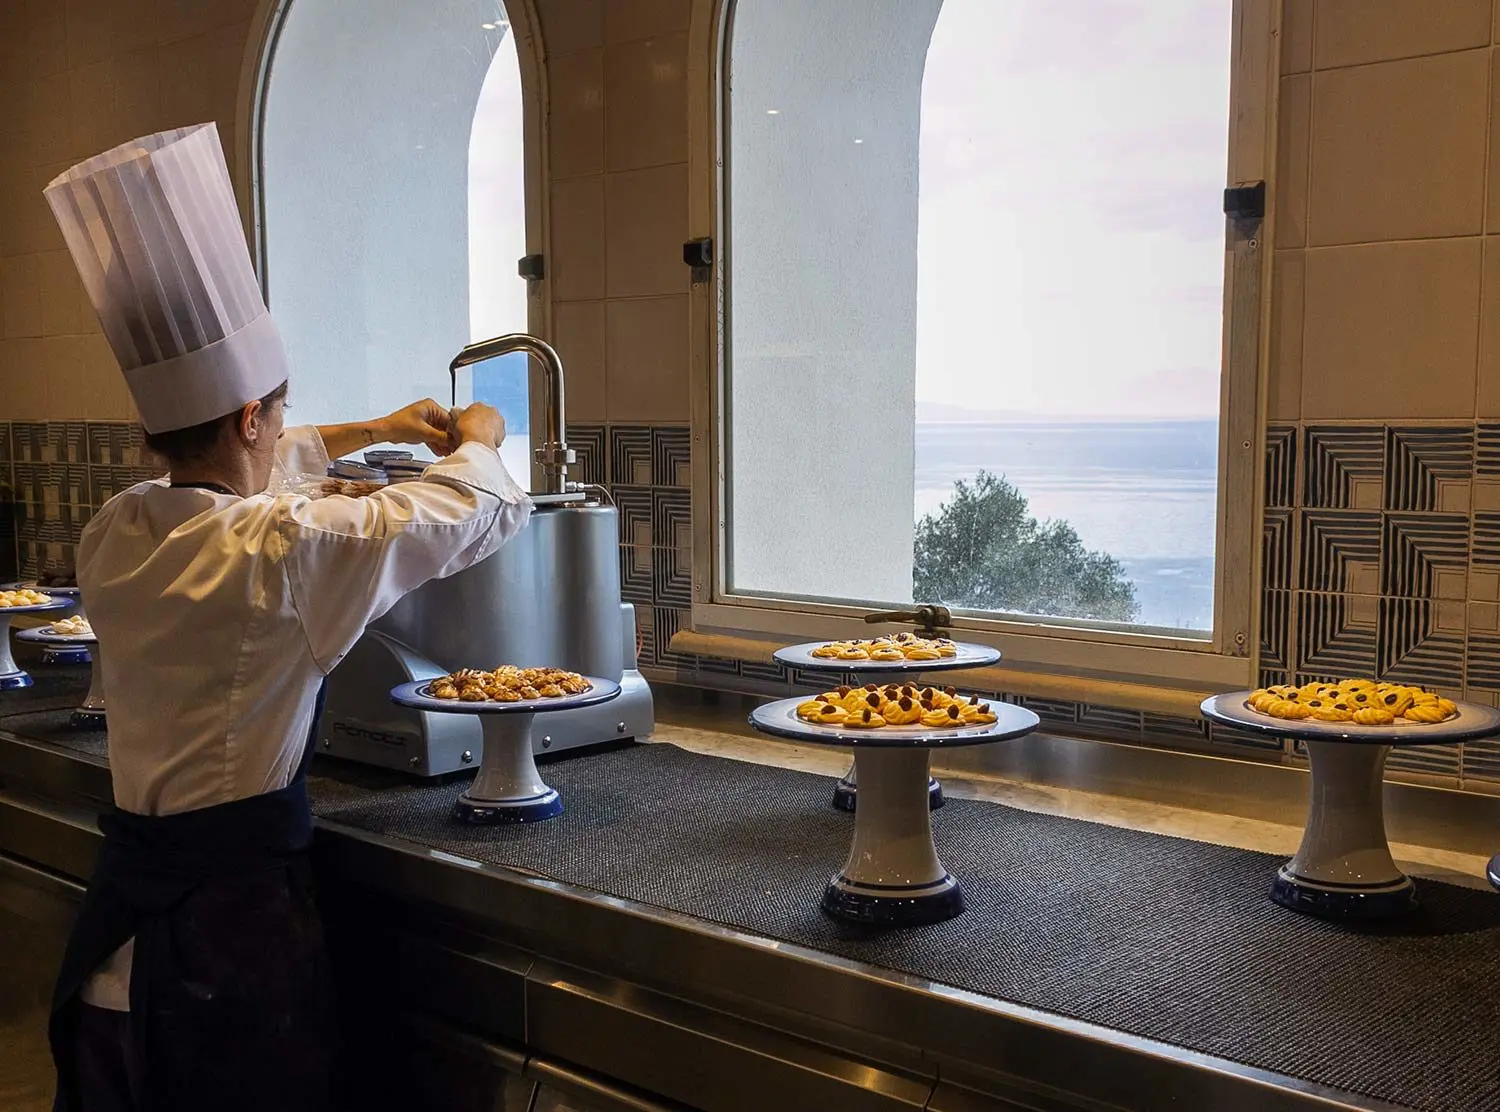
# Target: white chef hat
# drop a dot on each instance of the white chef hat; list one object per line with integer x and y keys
{"x": 155, "y": 234}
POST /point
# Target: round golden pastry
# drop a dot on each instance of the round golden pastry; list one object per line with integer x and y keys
{"x": 1262, "y": 699}
{"x": 832, "y": 715}
{"x": 1373, "y": 716}
{"x": 887, "y": 655}
{"x": 1424, "y": 712}
{"x": 812, "y": 708}
{"x": 1332, "y": 712}
{"x": 1291, "y": 709}
{"x": 853, "y": 652}
{"x": 902, "y": 712}
{"x": 828, "y": 651}
{"x": 977, "y": 714}
{"x": 922, "y": 653}
{"x": 866, "y": 719}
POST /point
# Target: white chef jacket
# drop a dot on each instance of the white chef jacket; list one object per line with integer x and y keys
{"x": 219, "y": 616}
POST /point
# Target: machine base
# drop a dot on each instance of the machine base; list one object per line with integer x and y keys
{"x": 1346, "y": 903}
{"x": 846, "y": 795}
{"x": 488, "y": 812}
{"x": 85, "y": 719}
{"x": 893, "y": 906}
{"x": 15, "y": 681}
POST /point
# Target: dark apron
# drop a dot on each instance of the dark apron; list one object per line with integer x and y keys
{"x": 229, "y": 1000}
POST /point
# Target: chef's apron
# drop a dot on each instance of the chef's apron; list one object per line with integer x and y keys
{"x": 229, "y": 1000}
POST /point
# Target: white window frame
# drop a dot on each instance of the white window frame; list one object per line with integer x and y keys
{"x": 1227, "y": 658}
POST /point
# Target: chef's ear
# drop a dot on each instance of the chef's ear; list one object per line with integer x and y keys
{"x": 252, "y": 423}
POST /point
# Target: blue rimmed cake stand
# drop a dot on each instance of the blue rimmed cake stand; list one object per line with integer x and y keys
{"x": 90, "y": 714}
{"x": 58, "y": 654}
{"x": 508, "y": 787}
{"x": 1343, "y": 868}
{"x": 893, "y": 877}
{"x": 12, "y": 678}
{"x": 1494, "y": 870}
{"x": 846, "y": 791}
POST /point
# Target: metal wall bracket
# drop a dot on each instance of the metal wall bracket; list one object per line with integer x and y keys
{"x": 532, "y": 267}
{"x": 1245, "y": 202}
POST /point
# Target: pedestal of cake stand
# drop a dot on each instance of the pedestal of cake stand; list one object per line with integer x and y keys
{"x": 508, "y": 787}
{"x": 892, "y": 877}
{"x": 90, "y": 714}
{"x": 12, "y": 677}
{"x": 1343, "y": 869}
{"x": 846, "y": 791}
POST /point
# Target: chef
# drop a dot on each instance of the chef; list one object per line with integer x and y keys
{"x": 195, "y": 977}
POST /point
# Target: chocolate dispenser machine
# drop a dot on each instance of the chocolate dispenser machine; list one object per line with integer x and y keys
{"x": 551, "y": 597}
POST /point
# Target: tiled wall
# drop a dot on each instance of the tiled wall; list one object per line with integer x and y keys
{"x": 1382, "y": 536}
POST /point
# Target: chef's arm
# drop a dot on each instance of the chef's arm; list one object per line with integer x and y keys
{"x": 423, "y": 422}
{"x": 349, "y": 560}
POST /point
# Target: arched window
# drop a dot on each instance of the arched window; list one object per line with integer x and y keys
{"x": 981, "y": 243}
{"x": 391, "y": 191}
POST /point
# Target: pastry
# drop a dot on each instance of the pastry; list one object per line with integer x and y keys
{"x": 1424, "y": 712}
{"x": 1363, "y": 702}
{"x": 828, "y": 651}
{"x": 977, "y": 714}
{"x": 508, "y": 684}
{"x": 1373, "y": 716}
{"x": 903, "y": 712}
{"x": 888, "y": 655}
{"x": 72, "y": 627}
{"x": 832, "y": 715}
{"x": 853, "y": 652}
{"x": 866, "y": 719}
{"x": 25, "y": 596}
{"x": 1291, "y": 709}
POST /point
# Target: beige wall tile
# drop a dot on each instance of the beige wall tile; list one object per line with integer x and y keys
{"x": 26, "y": 223}
{"x": 20, "y": 293}
{"x": 64, "y": 305}
{"x": 646, "y": 359}
{"x": 24, "y": 390}
{"x": 1292, "y": 138}
{"x": 200, "y": 80}
{"x": 37, "y": 124}
{"x": 1398, "y": 149}
{"x": 639, "y": 19}
{"x": 1284, "y": 395}
{"x": 33, "y": 39}
{"x": 182, "y": 19}
{"x": 1492, "y": 217}
{"x": 1352, "y": 32}
{"x": 114, "y": 101}
{"x": 1488, "y": 394}
{"x": 645, "y": 102}
{"x": 1391, "y": 331}
{"x": 569, "y": 25}
{"x": 578, "y": 336}
{"x": 646, "y": 214}
{"x": 576, "y": 101}
{"x": 1296, "y": 36}
{"x": 99, "y": 28}
{"x": 576, "y": 256}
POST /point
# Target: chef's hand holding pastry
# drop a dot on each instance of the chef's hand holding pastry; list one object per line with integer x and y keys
{"x": 195, "y": 976}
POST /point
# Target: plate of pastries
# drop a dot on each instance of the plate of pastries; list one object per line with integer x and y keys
{"x": 1359, "y": 702}
{"x": 894, "y": 706}
{"x": 888, "y": 650}
{"x": 23, "y": 596}
{"x": 508, "y": 684}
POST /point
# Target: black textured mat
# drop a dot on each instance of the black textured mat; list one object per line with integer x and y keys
{"x": 1160, "y": 937}
{"x": 55, "y": 727}
{"x": 53, "y": 687}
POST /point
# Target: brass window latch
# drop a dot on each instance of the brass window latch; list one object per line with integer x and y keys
{"x": 933, "y": 621}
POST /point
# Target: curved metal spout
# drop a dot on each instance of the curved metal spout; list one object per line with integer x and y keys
{"x": 553, "y": 454}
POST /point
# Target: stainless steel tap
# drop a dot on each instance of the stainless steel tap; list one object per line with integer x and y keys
{"x": 552, "y": 454}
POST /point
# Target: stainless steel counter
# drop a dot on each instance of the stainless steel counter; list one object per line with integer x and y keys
{"x": 471, "y": 983}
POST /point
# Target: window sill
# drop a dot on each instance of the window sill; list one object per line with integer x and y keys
{"x": 1126, "y": 694}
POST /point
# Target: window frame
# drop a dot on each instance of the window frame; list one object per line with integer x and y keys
{"x": 249, "y": 167}
{"x": 1228, "y": 657}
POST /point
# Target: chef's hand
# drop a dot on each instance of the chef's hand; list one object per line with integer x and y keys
{"x": 481, "y": 423}
{"x": 423, "y": 422}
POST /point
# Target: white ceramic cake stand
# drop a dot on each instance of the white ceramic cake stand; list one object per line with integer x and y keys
{"x": 1343, "y": 869}
{"x": 90, "y": 715}
{"x": 846, "y": 791}
{"x": 60, "y": 654}
{"x": 893, "y": 877}
{"x": 508, "y": 787}
{"x": 12, "y": 678}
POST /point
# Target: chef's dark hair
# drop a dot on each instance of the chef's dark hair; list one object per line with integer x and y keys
{"x": 193, "y": 443}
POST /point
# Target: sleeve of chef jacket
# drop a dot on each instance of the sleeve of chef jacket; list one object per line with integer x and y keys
{"x": 349, "y": 560}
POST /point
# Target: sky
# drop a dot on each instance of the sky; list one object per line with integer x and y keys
{"x": 1075, "y": 151}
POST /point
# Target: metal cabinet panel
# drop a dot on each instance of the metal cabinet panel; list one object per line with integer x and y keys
{"x": 705, "y": 1059}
